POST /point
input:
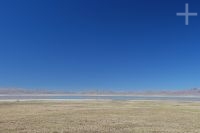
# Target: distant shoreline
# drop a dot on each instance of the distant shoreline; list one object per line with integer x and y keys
{"x": 57, "y": 97}
{"x": 136, "y": 95}
{"x": 50, "y": 100}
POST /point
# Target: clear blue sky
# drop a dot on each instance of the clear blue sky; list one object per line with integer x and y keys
{"x": 99, "y": 44}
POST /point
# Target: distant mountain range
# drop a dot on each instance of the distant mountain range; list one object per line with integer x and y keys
{"x": 21, "y": 91}
{"x": 14, "y": 91}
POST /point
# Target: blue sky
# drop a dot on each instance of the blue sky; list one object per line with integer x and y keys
{"x": 99, "y": 44}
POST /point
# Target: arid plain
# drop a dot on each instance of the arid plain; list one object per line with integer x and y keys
{"x": 99, "y": 116}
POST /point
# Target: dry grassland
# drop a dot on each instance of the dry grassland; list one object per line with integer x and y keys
{"x": 99, "y": 117}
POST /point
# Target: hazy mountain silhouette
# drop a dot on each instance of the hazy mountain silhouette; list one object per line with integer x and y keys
{"x": 15, "y": 91}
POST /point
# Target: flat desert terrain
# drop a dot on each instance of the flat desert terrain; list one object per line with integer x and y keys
{"x": 99, "y": 117}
